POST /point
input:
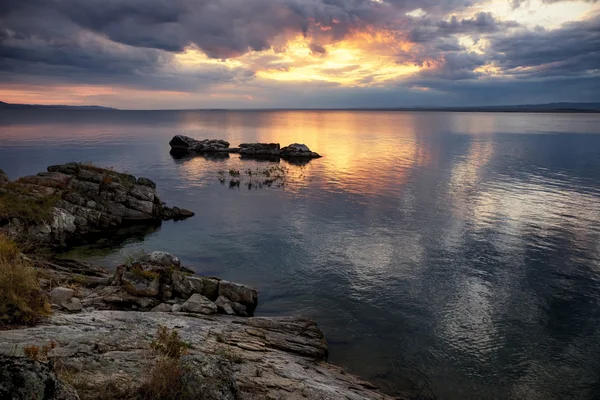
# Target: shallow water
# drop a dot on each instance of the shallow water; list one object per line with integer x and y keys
{"x": 450, "y": 255}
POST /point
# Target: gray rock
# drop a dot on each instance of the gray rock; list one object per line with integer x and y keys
{"x": 60, "y": 295}
{"x": 146, "y": 207}
{"x": 162, "y": 258}
{"x": 146, "y": 182}
{"x": 24, "y": 379}
{"x": 176, "y": 308}
{"x": 239, "y": 309}
{"x": 289, "y": 352}
{"x": 184, "y": 144}
{"x": 73, "y": 306}
{"x": 199, "y": 304}
{"x": 239, "y": 294}
{"x": 224, "y": 306}
{"x": 162, "y": 307}
{"x": 139, "y": 285}
{"x": 187, "y": 285}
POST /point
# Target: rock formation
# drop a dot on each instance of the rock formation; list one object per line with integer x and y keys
{"x": 181, "y": 145}
{"x": 106, "y": 344}
{"x": 75, "y": 199}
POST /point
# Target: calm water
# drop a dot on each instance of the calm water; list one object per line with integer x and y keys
{"x": 447, "y": 255}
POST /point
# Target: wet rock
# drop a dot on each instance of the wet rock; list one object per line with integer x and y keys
{"x": 298, "y": 150}
{"x": 24, "y": 379}
{"x": 199, "y": 304}
{"x": 60, "y": 295}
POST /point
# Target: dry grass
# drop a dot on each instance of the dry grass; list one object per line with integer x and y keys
{"x": 29, "y": 209}
{"x": 39, "y": 353}
{"x": 22, "y": 302}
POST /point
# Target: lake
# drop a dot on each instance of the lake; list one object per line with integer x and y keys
{"x": 444, "y": 255}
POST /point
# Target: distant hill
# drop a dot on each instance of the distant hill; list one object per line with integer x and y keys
{"x": 9, "y": 106}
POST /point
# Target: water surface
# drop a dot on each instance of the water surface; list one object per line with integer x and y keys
{"x": 446, "y": 255}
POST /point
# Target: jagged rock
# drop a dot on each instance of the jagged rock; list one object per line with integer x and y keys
{"x": 199, "y": 304}
{"x": 146, "y": 182}
{"x": 259, "y": 149}
{"x": 239, "y": 309}
{"x": 181, "y": 143}
{"x": 60, "y": 295}
{"x": 298, "y": 150}
{"x": 162, "y": 307}
{"x": 187, "y": 285}
{"x": 224, "y": 306}
{"x": 24, "y": 379}
{"x": 162, "y": 258}
{"x": 242, "y": 294}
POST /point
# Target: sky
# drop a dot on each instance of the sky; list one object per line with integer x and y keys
{"x": 186, "y": 54}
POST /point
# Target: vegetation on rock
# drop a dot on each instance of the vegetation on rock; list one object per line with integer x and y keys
{"x": 22, "y": 302}
{"x": 17, "y": 202}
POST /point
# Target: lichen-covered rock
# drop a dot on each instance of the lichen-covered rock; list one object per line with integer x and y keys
{"x": 162, "y": 258}
{"x": 24, "y": 379}
{"x": 187, "y": 285}
{"x": 141, "y": 283}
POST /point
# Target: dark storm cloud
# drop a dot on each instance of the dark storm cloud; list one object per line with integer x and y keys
{"x": 571, "y": 50}
{"x": 481, "y": 23}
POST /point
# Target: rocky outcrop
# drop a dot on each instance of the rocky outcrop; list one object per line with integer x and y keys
{"x": 185, "y": 145}
{"x": 158, "y": 282}
{"x": 25, "y": 379}
{"x": 80, "y": 199}
{"x": 259, "y": 358}
{"x": 3, "y": 178}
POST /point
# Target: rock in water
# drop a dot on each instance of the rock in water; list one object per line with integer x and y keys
{"x": 298, "y": 150}
{"x": 24, "y": 379}
{"x": 186, "y": 144}
{"x": 259, "y": 149}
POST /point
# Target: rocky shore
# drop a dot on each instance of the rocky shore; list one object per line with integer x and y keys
{"x": 150, "y": 329}
{"x": 186, "y": 145}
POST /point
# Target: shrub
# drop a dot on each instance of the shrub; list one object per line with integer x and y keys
{"x": 37, "y": 353}
{"x": 168, "y": 343}
{"x": 134, "y": 256}
{"x": 22, "y": 302}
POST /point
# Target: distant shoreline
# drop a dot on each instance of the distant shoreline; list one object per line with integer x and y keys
{"x": 556, "y": 108}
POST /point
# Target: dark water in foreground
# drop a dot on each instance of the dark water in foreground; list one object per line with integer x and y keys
{"x": 450, "y": 255}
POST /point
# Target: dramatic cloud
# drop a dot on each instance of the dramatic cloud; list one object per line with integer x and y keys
{"x": 256, "y": 52}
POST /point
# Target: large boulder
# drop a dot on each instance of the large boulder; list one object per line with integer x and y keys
{"x": 24, "y": 379}
{"x": 298, "y": 150}
{"x": 199, "y": 304}
{"x": 162, "y": 258}
{"x": 60, "y": 295}
{"x": 259, "y": 149}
